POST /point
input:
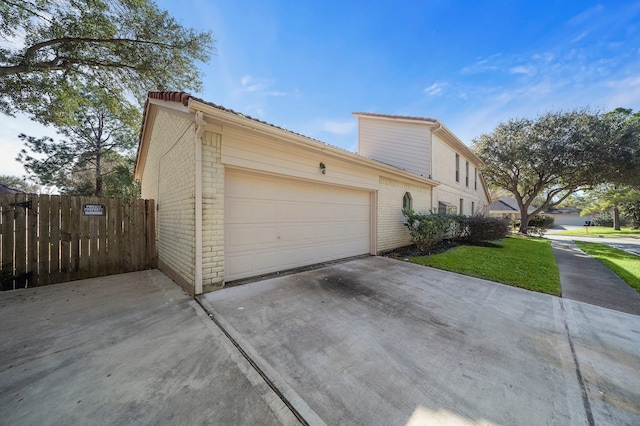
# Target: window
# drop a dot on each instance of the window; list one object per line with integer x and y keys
{"x": 466, "y": 180}
{"x": 407, "y": 201}
{"x": 475, "y": 182}
{"x": 473, "y": 207}
{"x": 461, "y": 205}
{"x": 446, "y": 208}
{"x": 457, "y": 167}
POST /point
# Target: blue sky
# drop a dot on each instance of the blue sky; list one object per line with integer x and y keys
{"x": 307, "y": 65}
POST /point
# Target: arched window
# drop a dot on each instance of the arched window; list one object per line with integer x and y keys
{"x": 407, "y": 201}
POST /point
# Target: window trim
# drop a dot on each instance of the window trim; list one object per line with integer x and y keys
{"x": 445, "y": 208}
{"x": 457, "y": 167}
{"x": 407, "y": 199}
{"x": 467, "y": 174}
{"x": 475, "y": 184}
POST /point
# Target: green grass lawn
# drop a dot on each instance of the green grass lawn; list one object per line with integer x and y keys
{"x": 519, "y": 261}
{"x": 625, "y": 265}
{"x": 603, "y": 231}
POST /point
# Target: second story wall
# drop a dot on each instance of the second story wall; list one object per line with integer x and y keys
{"x": 446, "y": 161}
{"x": 400, "y": 144}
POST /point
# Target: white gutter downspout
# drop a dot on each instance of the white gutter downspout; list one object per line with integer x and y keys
{"x": 433, "y": 131}
{"x": 197, "y": 276}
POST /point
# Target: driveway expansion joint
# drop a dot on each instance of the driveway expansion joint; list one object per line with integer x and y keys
{"x": 583, "y": 388}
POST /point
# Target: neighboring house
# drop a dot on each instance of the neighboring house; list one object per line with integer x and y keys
{"x": 237, "y": 197}
{"x": 4, "y": 189}
{"x": 568, "y": 216}
{"x": 507, "y": 207}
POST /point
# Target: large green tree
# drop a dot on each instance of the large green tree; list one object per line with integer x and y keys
{"x": 607, "y": 199}
{"x": 54, "y": 48}
{"x": 619, "y": 161}
{"x": 546, "y": 159}
{"x": 96, "y": 136}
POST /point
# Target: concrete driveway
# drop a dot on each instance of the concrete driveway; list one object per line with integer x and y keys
{"x": 124, "y": 349}
{"x": 379, "y": 341}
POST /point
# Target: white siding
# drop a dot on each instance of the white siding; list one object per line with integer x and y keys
{"x": 249, "y": 150}
{"x": 391, "y": 230}
{"x": 403, "y": 145}
{"x": 450, "y": 191}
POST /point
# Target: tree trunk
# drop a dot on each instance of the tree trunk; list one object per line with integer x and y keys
{"x": 524, "y": 221}
{"x": 98, "y": 175}
{"x": 616, "y": 218}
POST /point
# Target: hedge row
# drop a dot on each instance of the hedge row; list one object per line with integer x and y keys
{"x": 427, "y": 230}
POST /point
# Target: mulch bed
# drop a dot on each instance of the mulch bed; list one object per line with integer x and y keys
{"x": 404, "y": 253}
{"x": 412, "y": 251}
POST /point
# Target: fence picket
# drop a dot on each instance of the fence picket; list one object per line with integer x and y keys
{"x": 43, "y": 240}
{"x": 20, "y": 241}
{"x": 65, "y": 239}
{"x": 54, "y": 239}
{"x": 6, "y": 257}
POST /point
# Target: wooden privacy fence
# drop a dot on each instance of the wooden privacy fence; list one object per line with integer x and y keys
{"x": 47, "y": 239}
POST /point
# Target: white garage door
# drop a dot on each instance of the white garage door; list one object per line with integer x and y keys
{"x": 275, "y": 224}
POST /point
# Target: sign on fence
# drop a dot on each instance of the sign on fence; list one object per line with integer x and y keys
{"x": 47, "y": 239}
{"x": 93, "y": 210}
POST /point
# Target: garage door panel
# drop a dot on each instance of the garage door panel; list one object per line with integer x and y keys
{"x": 240, "y": 237}
{"x": 265, "y": 235}
{"x": 273, "y": 224}
{"x": 239, "y": 265}
{"x": 308, "y": 232}
{"x": 242, "y": 210}
{"x": 356, "y": 230}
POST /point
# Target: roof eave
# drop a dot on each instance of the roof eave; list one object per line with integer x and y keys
{"x": 301, "y": 140}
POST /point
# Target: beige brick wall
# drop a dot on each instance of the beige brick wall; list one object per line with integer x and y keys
{"x": 212, "y": 213}
{"x": 391, "y": 231}
{"x": 169, "y": 178}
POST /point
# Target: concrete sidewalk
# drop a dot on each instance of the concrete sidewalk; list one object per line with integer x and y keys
{"x": 585, "y": 279}
{"x": 123, "y": 349}
{"x": 628, "y": 244}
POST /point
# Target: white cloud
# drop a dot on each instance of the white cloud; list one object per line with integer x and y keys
{"x": 580, "y": 36}
{"x": 435, "y": 89}
{"x": 582, "y": 17}
{"x": 253, "y": 84}
{"x": 521, "y": 69}
{"x": 482, "y": 65}
{"x": 338, "y": 127}
{"x": 624, "y": 93}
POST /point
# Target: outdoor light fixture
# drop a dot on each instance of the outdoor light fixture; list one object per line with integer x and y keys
{"x": 323, "y": 168}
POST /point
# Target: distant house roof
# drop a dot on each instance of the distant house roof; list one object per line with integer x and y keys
{"x": 567, "y": 210}
{"x": 4, "y": 189}
{"x": 507, "y": 205}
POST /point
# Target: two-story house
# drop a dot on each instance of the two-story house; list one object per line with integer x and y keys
{"x": 238, "y": 197}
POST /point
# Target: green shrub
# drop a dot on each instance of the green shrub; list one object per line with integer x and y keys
{"x": 426, "y": 230}
{"x": 603, "y": 219}
{"x": 483, "y": 229}
{"x": 459, "y": 230}
{"x": 541, "y": 221}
